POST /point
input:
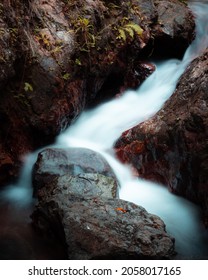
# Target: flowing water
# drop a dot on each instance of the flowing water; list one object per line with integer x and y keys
{"x": 98, "y": 129}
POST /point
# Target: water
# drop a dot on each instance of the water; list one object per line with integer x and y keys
{"x": 99, "y": 128}
{"x": 21, "y": 193}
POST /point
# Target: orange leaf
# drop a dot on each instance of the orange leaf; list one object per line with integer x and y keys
{"x": 121, "y": 209}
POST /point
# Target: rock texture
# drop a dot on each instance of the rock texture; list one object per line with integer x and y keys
{"x": 77, "y": 171}
{"x": 85, "y": 215}
{"x": 95, "y": 228}
{"x": 56, "y": 57}
{"x": 171, "y": 26}
{"x": 171, "y": 148}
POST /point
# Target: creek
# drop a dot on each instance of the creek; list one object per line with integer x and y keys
{"x": 99, "y": 128}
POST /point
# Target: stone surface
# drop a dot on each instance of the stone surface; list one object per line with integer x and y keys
{"x": 101, "y": 228}
{"x": 172, "y": 30}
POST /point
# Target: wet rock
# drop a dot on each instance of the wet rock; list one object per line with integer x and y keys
{"x": 171, "y": 147}
{"x": 76, "y": 203}
{"x": 68, "y": 168}
{"x": 137, "y": 74}
{"x": 95, "y": 228}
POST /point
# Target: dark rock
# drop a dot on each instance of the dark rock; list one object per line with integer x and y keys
{"x": 137, "y": 74}
{"x": 171, "y": 147}
{"x": 96, "y": 228}
{"x": 6, "y": 166}
{"x": 68, "y": 168}
{"x": 174, "y": 29}
{"x": 7, "y": 55}
{"x": 76, "y": 191}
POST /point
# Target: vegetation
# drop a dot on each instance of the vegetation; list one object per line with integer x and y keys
{"x": 129, "y": 29}
{"x": 102, "y": 33}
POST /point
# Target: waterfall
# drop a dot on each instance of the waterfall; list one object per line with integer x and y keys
{"x": 98, "y": 129}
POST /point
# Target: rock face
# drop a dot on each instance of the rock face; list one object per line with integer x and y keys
{"x": 57, "y": 57}
{"x": 84, "y": 213}
{"x": 171, "y": 148}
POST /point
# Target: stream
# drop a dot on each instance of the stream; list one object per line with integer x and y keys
{"x": 98, "y": 129}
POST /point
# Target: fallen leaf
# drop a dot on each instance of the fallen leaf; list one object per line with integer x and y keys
{"x": 121, "y": 209}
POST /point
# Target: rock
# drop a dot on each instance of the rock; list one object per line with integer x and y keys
{"x": 172, "y": 31}
{"x": 7, "y": 55}
{"x": 65, "y": 169}
{"x": 137, "y": 74}
{"x": 171, "y": 147}
{"x": 76, "y": 203}
{"x": 95, "y": 228}
{"x": 6, "y": 166}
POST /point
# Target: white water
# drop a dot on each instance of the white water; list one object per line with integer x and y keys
{"x": 98, "y": 129}
{"x": 21, "y": 193}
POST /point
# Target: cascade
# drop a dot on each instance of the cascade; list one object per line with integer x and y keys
{"x": 99, "y": 128}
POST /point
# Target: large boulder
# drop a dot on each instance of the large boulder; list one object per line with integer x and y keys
{"x": 68, "y": 168}
{"x": 171, "y": 147}
{"x": 57, "y": 57}
{"x": 76, "y": 201}
{"x": 97, "y": 227}
{"x": 172, "y": 31}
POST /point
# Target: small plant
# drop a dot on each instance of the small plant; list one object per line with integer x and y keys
{"x": 129, "y": 29}
{"x": 83, "y": 24}
{"x": 13, "y": 34}
{"x": 78, "y": 62}
{"x": 44, "y": 40}
{"x": 84, "y": 30}
{"x": 66, "y": 76}
{"x": 28, "y": 87}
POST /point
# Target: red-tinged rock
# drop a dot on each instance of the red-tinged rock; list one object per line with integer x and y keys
{"x": 137, "y": 74}
{"x": 174, "y": 141}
